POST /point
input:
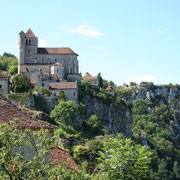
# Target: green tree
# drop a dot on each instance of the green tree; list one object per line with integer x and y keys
{"x": 13, "y": 70}
{"x": 120, "y": 159}
{"x": 45, "y": 91}
{"x": 21, "y": 83}
{"x": 140, "y": 107}
{"x": 15, "y": 163}
{"x": 65, "y": 112}
{"x": 100, "y": 80}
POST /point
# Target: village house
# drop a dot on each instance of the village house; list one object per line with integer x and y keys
{"x": 93, "y": 80}
{"x": 9, "y": 112}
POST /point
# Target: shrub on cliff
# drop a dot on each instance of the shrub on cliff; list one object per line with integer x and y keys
{"x": 65, "y": 112}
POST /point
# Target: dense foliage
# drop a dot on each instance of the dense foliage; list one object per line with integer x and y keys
{"x": 159, "y": 131}
{"x": 21, "y": 83}
{"x": 7, "y": 60}
{"x": 65, "y": 112}
{"x": 16, "y": 162}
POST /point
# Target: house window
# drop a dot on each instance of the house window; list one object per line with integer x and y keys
{"x": 29, "y": 42}
{"x": 28, "y": 50}
{"x": 42, "y": 60}
{"x": 26, "y": 42}
{"x": 42, "y": 84}
{"x": 55, "y": 60}
{"x": 57, "y": 70}
{"x": 74, "y": 93}
{"x": 35, "y": 60}
{"x": 0, "y": 86}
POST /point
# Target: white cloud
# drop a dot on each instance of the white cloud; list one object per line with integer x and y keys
{"x": 160, "y": 31}
{"x": 42, "y": 43}
{"x": 84, "y": 29}
{"x": 56, "y": 36}
{"x": 138, "y": 79}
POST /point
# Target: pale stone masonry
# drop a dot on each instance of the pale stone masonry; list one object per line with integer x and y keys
{"x": 49, "y": 67}
{"x": 4, "y": 85}
{"x": 36, "y": 58}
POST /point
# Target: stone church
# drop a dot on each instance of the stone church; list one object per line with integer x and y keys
{"x": 45, "y": 66}
{"x": 60, "y": 61}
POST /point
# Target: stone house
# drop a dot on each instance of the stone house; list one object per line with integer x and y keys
{"x": 69, "y": 89}
{"x": 92, "y": 79}
{"x": 9, "y": 112}
{"x": 4, "y": 85}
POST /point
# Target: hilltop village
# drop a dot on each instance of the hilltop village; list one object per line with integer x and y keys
{"x": 93, "y": 128}
{"x": 56, "y": 69}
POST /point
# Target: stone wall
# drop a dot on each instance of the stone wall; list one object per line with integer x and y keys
{"x": 70, "y": 94}
{"x": 4, "y": 87}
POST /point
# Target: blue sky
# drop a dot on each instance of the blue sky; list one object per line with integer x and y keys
{"x": 125, "y": 40}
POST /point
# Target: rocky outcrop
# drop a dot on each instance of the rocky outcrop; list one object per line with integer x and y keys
{"x": 114, "y": 118}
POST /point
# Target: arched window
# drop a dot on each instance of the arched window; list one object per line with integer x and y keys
{"x": 29, "y": 42}
{"x": 26, "y": 42}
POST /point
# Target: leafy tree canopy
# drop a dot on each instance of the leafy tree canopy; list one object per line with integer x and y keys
{"x": 65, "y": 112}
{"x": 121, "y": 159}
{"x": 21, "y": 83}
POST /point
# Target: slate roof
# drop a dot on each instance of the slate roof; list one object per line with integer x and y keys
{"x": 60, "y": 156}
{"x": 58, "y": 50}
{"x": 8, "y": 113}
{"x": 63, "y": 85}
{"x": 30, "y": 34}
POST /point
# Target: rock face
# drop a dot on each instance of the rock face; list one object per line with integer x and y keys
{"x": 115, "y": 119}
{"x": 165, "y": 95}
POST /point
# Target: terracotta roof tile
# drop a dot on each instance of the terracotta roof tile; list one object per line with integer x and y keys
{"x": 63, "y": 85}
{"x": 60, "y": 156}
{"x": 57, "y": 64}
{"x": 25, "y": 70}
{"x": 59, "y": 50}
{"x": 89, "y": 78}
{"x": 8, "y": 113}
{"x": 33, "y": 81}
{"x": 30, "y": 34}
{"x": 54, "y": 77}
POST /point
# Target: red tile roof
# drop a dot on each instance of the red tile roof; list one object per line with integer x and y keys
{"x": 110, "y": 88}
{"x": 30, "y": 34}
{"x": 33, "y": 81}
{"x": 63, "y": 85}
{"x": 59, "y": 50}
{"x": 9, "y": 112}
{"x": 25, "y": 70}
{"x": 57, "y": 64}
{"x": 89, "y": 78}
{"x": 54, "y": 77}
{"x": 60, "y": 156}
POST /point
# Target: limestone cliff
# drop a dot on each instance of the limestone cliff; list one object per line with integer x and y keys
{"x": 115, "y": 119}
